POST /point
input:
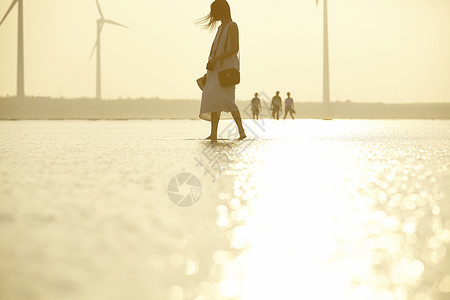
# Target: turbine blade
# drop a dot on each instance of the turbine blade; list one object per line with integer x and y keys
{"x": 115, "y": 23}
{"x": 9, "y": 9}
{"x": 93, "y": 50}
{"x": 99, "y": 9}
{"x": 96, "y": 43}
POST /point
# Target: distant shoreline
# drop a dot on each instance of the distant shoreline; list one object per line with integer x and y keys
{"x": 149, "y": 109}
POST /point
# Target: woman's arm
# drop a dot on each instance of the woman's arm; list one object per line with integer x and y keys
{"x": 232, "y": 47}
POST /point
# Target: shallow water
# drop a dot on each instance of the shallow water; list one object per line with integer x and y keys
{"x": 308, "y": 209}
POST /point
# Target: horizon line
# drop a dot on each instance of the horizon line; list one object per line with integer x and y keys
{"x": 153, "y": 98}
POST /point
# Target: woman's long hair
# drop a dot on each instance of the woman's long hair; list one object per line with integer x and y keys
{"x": 220, "y": 9}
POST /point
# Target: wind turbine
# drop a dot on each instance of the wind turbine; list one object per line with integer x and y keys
{"x": 100, "y": 22}
{"x": 326, "y": 67}
{"x": 20, "y": 68}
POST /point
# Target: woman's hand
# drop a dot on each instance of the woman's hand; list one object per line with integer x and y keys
{"x": 211, "y": 63}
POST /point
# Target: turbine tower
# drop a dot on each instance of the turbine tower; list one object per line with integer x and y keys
{"x": 326, "y": 67}
{"x": 20, "y": 64}
{"x": 97, "y": 45}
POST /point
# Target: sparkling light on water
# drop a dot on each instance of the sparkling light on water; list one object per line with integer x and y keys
{"x": 305, "y": 210}
{"x": 334, "y": 217}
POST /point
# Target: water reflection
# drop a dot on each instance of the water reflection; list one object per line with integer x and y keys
{"x": 323, "y": 218}
{"x": 307, "y": 210}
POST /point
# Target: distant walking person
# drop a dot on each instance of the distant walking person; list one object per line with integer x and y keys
{"x": 276, "y": 106}
{"x": 289, "y": 106}
{"x": 224, "y": 55}
{"x": 256, "y": 107}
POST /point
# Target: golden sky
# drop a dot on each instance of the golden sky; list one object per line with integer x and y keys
{"x": 380, "y": 50}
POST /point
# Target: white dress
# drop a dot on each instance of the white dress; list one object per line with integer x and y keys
{"x": 216, "y": 98}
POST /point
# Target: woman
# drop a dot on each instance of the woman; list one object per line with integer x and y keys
{"x": 256, "y": 106}
{"x": 289, "y": 106}
{"x": 216, "y": 98}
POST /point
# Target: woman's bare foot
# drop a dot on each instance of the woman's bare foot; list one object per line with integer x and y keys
{"x": 212, "y": 138}
{"x": 242, "y": 135}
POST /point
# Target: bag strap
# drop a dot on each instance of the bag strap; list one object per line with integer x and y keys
{"x": 216, "y": 44}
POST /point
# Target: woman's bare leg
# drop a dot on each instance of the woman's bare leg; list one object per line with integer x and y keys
{"x": 237, "y": 118}
{"x": 215, "y": 116}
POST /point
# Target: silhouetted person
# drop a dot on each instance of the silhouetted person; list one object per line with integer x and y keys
{"x": 276, "y": 106}
{"x": 215, "y": 97}
{"x": 256, "y": 107}
{"x": 289, "y": 106}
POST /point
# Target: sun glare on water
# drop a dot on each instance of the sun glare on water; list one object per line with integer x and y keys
{"x": 339, "y": 223}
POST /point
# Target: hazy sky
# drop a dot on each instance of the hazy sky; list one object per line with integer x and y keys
{"x": 380, "y": 50}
